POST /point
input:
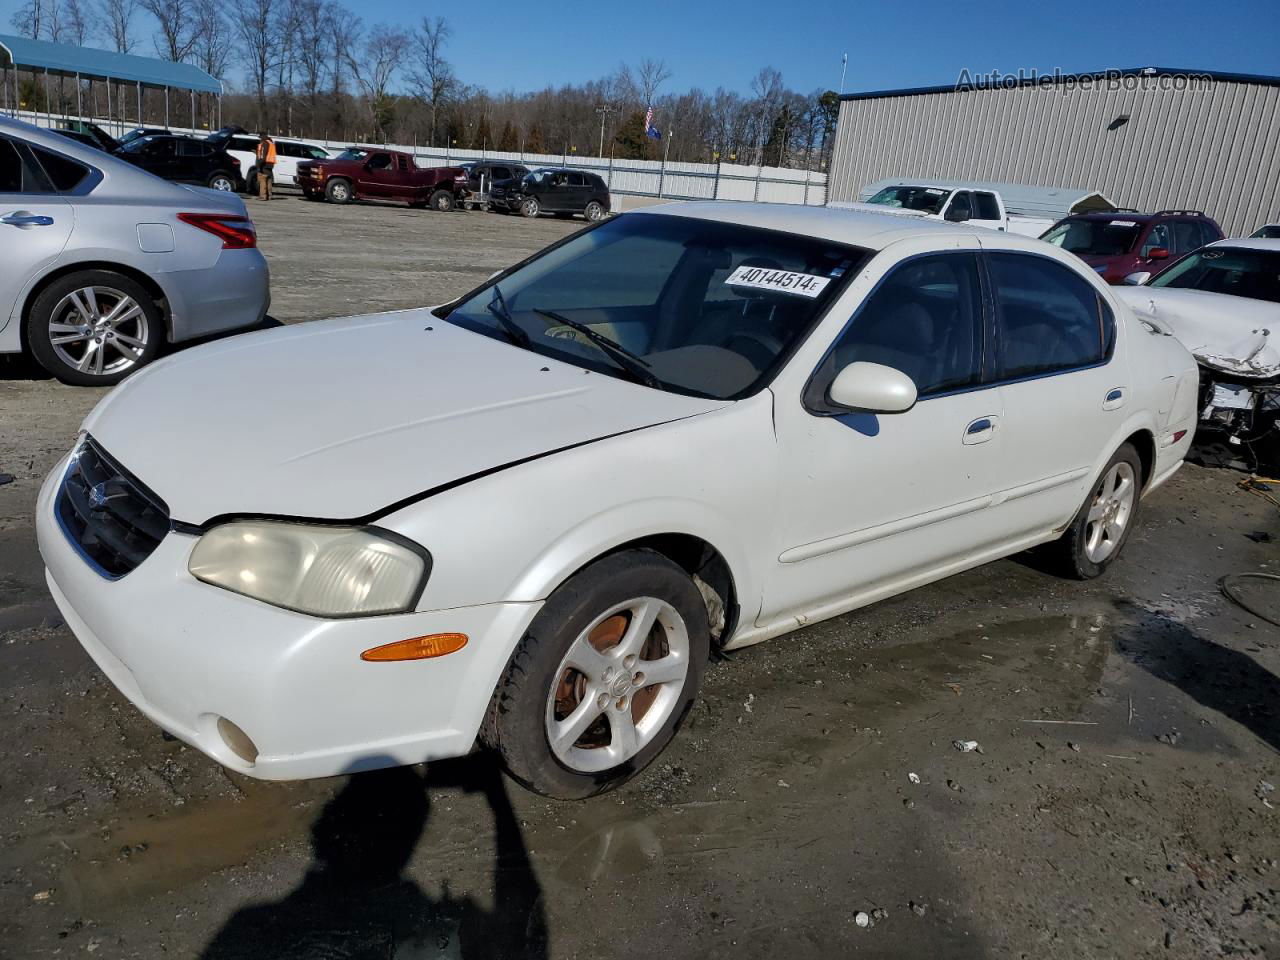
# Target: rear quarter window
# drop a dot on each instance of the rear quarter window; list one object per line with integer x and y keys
{"x": 64, "y": 173}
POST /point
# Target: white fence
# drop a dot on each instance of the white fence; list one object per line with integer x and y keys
{"x": 642, "y": 178}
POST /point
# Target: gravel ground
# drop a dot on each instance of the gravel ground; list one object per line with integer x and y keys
{"x": 1119, "y": 805}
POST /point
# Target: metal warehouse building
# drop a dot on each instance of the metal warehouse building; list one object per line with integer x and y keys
{"x": 1152, "y": 138}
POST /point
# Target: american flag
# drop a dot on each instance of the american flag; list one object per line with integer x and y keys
{"x": 650, "y": 131}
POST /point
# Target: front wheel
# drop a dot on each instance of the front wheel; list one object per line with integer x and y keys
{"x": 94, "y": 328}
{"x": 529, "y": 208}
{"x": 1105, "y": 520}
{"x": 442, "y": 200}
{"x": 603, "y": 678}
{"x": 338, "y": 191}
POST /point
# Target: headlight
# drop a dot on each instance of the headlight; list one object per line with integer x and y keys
{"x": 323, "y": 571}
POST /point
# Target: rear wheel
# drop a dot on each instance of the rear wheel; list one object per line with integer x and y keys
{"x": 94, "y": 328}
{"x": 222, "y": 181}
{"x": 1102, "y": 526}
{"x": 338, "y": 191}
{"x": 442, "y": 200}
{"x": 594, "y": 211}
{"x": 251, "y": 180}
{"x": 603, "y": 678}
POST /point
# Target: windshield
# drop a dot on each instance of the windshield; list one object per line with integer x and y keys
{"x": 924, "y": 199}
{"x": 1097, "y": 238}
{"x": 353, "y": 153}
{"x": 697, "y": 307}
{"x": 1237, "y": 271}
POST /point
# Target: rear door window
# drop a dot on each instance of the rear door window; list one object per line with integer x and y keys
{"x": 1158, "y": 237}
{"x": 14, "y": 177}
{"x": 986, "y": 206}
{"x": 1050, "y": 318}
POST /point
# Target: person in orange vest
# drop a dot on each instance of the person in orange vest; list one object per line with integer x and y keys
{"x": 266, "y": 166}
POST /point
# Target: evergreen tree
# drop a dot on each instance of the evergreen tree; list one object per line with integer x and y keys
{"x": 631, "y": 141}
{"x": 483, "y": 137}
{"x": 510, "y": 140}
{"x": 534, "y": 142}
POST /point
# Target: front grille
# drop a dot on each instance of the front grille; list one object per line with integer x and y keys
{"x": 111, "y": 518}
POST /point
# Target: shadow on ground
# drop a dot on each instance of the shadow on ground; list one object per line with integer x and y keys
{"x": 356, "y": 900}
{"x": 1228, "y": 681}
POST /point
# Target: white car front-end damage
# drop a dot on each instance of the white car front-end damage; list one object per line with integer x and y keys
{"x": 1236, "y": 341}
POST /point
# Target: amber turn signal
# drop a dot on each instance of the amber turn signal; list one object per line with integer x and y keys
{"x": 417, "y": 648}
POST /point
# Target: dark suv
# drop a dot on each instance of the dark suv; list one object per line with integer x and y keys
{"x": 185, "y": 159}
{"x": 487, "y": 174}
{"x": 562, "y": 192}
{"x": 1118, "y": 244}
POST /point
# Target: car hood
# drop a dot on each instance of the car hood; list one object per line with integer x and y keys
{"x": 1235, "y": 335}
{"x": 341, "y": 419}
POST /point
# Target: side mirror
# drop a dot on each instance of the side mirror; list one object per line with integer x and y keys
{"x": 1158, "y": 253}
{"x": 956, "y": 214}
{"x": 873, "y": 388}
{"x": 1137, "y": 279}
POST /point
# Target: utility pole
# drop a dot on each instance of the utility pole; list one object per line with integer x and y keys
{"x": 604, "y": 110}
{"x": 844, "y": 65}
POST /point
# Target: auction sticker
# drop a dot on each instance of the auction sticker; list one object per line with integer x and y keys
{"x": 783, "y": 281}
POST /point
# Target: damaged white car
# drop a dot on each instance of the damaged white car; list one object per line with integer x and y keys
{"x": 1223, "y": 303}
{"x": 526, "y": 518}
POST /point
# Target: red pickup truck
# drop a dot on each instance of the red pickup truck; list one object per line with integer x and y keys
{"x": 361, "y": 173}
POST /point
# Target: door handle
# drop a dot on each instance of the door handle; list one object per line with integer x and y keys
{"x": 980, "y": 430}
{"x": 1114, "y": 399}
{"x": 21, "y": 219}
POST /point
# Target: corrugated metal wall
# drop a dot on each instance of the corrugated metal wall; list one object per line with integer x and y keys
{"x": 1212, "y": 149}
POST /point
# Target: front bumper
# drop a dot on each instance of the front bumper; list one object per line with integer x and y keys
{"x": 187, "y": 654}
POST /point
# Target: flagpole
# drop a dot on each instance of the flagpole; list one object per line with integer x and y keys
{"x": 844, "y": 65}
{"x": 666, "y": 150}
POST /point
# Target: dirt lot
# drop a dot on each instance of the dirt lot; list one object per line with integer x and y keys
{"x": 1120, "y": 805}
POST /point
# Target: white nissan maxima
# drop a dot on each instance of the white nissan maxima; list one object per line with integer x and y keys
{"x": 526, "y": 517}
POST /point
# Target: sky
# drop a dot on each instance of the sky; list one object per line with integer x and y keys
{"x": 710, "y": 43}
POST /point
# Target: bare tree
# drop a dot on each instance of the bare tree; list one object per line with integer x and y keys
{"x": 259, "y": 35}
{"x": 212, "y": 49}
{"x": 315, "y": 28}
{"x": 373, "y": 64}
{"x": 430, "y": 74}
{"x": 116, "y": 17}
{"x": 176, "y": 34}
{"x": 77, "y": 22}
{"x": 31, "y": 19}
{"x": 649, "y": 76}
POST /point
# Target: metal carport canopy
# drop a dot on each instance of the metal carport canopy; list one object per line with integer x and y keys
{"x": 68, "y": 60}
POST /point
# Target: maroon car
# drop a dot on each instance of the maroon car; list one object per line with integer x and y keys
{"x": 361, "y": 173}
{"x": 1121, "y": 243}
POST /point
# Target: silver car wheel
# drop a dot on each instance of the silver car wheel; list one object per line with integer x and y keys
{"x": 98, "y": 330}
{"x": 618, "y": 685}
{"x": 1109, "y": 512}
{"x": 594, "y": 211}
{"x": 222, "y": 183}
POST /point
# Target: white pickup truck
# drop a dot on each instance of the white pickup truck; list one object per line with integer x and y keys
{"x": 1014, "y": 208}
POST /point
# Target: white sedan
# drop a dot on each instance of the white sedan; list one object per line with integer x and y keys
{"x": 526, "y": 517}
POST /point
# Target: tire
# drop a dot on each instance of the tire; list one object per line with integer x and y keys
{"x": 221, "y": 180}
{"x": 70, "y": 333}
{"x": 442, "y": 201}
{"x": 251, "y": 180}
{"x": 338, "y": 190}
{"x": 594, "y": 211}
{"x": 529, "y": 207}
{"x": 542, "y": 687}
{"x": 1101, "y": 528}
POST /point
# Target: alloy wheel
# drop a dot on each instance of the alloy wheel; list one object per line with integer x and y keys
{"x": 617, "y": 685}
{"x": 1109, "y": 512}
{"x": 98, "y": 330}
{"x": 222, "y": 183}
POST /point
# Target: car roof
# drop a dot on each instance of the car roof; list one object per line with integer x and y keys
{"x": 1249, "y": 243}
{"x": 857, "y": 228}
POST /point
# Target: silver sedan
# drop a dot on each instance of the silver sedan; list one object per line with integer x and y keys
{"x": 103, "y": 261}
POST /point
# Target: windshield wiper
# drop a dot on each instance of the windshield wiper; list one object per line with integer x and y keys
{"x": 620, "y": 355}
{"x": 498, "y": 307}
